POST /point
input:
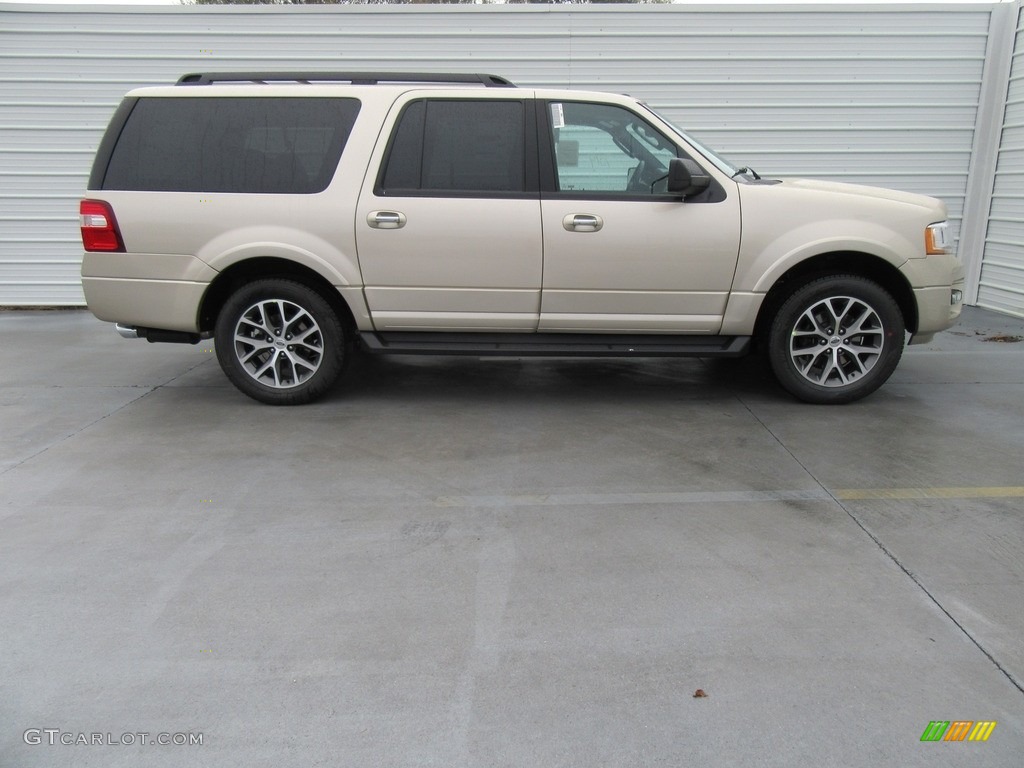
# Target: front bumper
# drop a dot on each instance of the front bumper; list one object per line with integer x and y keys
{"x": 937, "y": 310}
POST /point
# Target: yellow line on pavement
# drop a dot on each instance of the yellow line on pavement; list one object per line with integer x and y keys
{"x": 991, "y": 492}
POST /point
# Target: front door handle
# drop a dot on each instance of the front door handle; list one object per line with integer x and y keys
{"x": 386, "y": 219}
{"x": 582, "y": 222}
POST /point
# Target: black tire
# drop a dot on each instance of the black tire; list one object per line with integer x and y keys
{"x": 836, "y": 339}
{"x": 280, "y": 342}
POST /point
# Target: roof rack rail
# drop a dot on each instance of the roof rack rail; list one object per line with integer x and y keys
{"x": 356, "y": 78}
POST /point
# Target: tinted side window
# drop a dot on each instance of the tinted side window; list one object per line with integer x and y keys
{"x": 256, "y": 145}
{"x": 450, "y": 146}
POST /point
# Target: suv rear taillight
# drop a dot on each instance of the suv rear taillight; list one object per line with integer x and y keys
{"x": 99, "y": 227}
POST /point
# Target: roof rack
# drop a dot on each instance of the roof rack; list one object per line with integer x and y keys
{"x": 355, "y": 78}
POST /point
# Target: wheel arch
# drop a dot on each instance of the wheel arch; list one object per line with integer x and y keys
{"x": 259, "y": 268}
{"x": 853, "y": 263}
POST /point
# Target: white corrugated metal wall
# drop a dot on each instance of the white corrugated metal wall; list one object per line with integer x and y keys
{"x": 1001, "y": 280}
{"x": 885, "y": 95}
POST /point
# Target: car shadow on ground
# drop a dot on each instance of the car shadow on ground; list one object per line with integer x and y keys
{"x": 370, "y": 377}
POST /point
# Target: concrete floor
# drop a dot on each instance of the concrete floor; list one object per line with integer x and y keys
{"x": 466, "y": 563}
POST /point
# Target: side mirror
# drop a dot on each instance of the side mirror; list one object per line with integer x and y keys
{"x": 686, "y": 178}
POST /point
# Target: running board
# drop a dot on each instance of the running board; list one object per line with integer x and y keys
{"x": 553, "y": 344}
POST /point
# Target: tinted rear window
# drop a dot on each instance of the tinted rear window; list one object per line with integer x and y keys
{"x": 256, "y": 145}
{"x": 450, "y": 146}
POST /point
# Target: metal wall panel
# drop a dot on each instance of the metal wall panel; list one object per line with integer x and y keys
{"x": 1001, "y": 284}
{"x": 884, "y": 95}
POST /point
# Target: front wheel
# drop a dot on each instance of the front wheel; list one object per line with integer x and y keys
{"x": 280, "y": 342}
{"x": 836, "y": 339}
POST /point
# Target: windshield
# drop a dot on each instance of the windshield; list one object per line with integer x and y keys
{"x": 720, "y": 163}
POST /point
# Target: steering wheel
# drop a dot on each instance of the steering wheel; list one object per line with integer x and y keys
{"x": 663, "y": 177}
{"x": 636, "y": 181}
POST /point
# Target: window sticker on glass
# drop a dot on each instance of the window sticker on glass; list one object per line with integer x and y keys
{"x": 557, "y": 116}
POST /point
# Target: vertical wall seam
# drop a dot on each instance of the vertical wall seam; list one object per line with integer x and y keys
{"x": 988, "y": 133}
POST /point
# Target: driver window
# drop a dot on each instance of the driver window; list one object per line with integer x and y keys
{"x": 606, "y": 149}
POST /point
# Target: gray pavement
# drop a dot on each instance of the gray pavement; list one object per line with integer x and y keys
{"x": 535, "y": 563}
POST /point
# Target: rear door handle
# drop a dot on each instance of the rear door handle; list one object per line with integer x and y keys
{"x": 386, "y": 219}
{"x": 582, "y": 222}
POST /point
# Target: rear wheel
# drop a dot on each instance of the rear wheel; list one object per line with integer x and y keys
{"x": 836, "y": 339}
{"x": 280, "y": 342}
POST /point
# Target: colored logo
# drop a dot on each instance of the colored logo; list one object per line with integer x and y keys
{"x": 958, "y": 730}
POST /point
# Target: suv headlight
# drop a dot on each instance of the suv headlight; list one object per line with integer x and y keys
{"x": 936, "y": 239}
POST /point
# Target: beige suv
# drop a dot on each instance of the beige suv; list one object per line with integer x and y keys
{"x": 289, "y": 215}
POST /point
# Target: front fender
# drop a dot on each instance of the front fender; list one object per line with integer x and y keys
{"x": 759, "y": 271}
